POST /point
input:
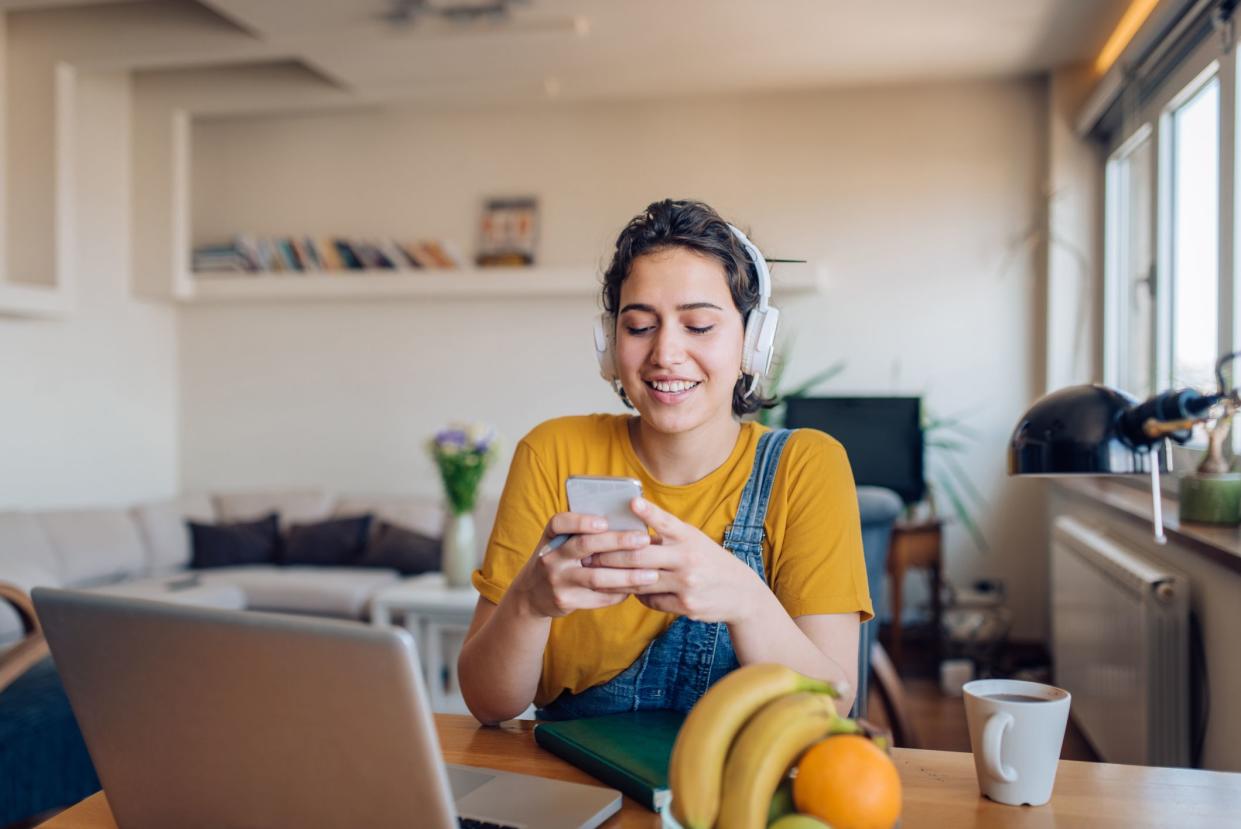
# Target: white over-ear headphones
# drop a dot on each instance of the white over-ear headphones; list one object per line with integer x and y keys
{"x": 760, "y": 328}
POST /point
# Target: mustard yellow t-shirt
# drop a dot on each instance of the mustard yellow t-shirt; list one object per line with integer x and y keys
{"x": 812, "y": 551}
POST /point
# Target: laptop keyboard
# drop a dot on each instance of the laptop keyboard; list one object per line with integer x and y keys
{"x": 469, "y": 823}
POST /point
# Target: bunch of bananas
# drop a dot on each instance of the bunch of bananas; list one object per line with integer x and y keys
{"x": 740, "y": 741}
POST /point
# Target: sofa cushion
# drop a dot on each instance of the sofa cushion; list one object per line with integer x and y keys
{"x": 94, "y": 546}
{"x": 163, "y": 528}
{"x": 407, "y": 551}
{"x": 185, "y": 589}
{"x": 227, "y": 545}
{"x": 335, "y": 542}
{"x": 328, "y": 591}
{"x": 24, "y": 542}
{"x": 416, "y": 512}
{"x": 294, "y": 506}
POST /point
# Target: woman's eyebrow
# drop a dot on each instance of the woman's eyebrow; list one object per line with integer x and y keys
{"x": 689, "y": 306}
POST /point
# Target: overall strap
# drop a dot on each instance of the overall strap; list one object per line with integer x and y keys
{"x": 747, "y": 527}
{"x": 680, "y": 664}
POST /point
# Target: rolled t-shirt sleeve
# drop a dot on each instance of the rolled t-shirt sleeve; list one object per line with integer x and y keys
{"x": 526, "y": 505}
{"x": 818, "y": 565}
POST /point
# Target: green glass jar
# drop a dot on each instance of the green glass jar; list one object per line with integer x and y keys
{"x": 1211, "y": 499}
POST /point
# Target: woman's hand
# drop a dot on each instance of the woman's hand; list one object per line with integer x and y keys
{"x": 554, "y": 583}
{"x": 697, "y": 577}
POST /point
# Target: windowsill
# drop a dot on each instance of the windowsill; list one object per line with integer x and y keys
{"x": 1218, "y": 542}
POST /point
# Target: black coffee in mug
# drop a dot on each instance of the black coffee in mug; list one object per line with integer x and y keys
{"x": 1015, "y": 698}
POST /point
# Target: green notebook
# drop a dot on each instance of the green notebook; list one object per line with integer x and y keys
{"x": 629, "y": 751}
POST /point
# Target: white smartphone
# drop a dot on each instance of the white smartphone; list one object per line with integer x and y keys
{"x": 606, "y": 496}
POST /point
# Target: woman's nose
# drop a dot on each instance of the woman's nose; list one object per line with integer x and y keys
{"x": 668, "y": 348}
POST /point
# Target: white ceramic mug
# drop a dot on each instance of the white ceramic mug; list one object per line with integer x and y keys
{"x": 1016, "y": 731}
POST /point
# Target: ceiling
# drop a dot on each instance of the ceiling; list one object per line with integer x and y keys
{"x": 593, "y": 49}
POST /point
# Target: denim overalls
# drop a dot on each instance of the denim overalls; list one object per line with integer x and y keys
{"x": 686, "y": 659}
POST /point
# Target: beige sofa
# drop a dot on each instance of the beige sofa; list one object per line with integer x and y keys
{"x": 144, "y": 551}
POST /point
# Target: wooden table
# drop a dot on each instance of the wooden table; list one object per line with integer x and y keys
{"x": 913, "y": 545}
{"x": 939, "y": 788}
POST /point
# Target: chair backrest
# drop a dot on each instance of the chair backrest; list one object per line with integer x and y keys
{"x": 892, "y": 694}
{"x": 878, "y": 509}
{"x": 19, "y": 658}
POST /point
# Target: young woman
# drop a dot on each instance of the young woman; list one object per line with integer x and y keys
{"x": 756, "y": 551}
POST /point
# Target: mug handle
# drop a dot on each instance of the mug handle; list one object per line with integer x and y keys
{"x": 992, "y": 736}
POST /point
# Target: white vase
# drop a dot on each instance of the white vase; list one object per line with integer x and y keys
{"x": 460, "y": 553}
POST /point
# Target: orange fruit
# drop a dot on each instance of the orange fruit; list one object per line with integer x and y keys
{"x": 849, "y": 783}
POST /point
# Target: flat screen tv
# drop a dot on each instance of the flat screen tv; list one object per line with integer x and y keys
{"x": 883, "y": 436}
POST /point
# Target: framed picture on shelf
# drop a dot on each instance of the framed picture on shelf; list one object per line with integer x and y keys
{"x": 508, "y": 232}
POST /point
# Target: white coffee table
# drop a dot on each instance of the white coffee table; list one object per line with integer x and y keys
{"x": 438, "y": 617}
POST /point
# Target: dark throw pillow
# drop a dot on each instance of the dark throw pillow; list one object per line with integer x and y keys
{"x": 335, "y": 542}
{"x": 243, "y": 542}
{"x": 407, "y": 551}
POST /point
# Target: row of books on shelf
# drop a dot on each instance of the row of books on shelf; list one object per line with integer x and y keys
{"x": 292, "y": 254}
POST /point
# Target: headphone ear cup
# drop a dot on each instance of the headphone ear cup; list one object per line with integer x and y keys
{"x": 760, "y": 341}
{"x": 765, "y": 346}
{"x": 604, "y": 348}
{"x": 753, "y": 322}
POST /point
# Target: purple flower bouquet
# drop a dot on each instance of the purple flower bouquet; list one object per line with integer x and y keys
{"x": 463, "y": 452}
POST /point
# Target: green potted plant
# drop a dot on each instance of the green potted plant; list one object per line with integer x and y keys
{"x": 774, "y": 417}
{"x": 944, "y": 439}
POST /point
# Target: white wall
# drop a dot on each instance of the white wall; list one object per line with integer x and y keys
{"x": 88, "y": 401}
{"x": 917, "y": 198}
{"x": 1074, "y": 344}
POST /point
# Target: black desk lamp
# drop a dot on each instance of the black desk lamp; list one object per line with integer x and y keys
{"x": 1097, "y": 430}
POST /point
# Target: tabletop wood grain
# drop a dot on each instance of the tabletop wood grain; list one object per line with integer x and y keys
{"x": 940, "y": 789}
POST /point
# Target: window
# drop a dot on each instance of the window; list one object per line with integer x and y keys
{"x": 1194, "y": 236}
{"x": 1131, "y": 255}
{"x": 1168, "y": 217}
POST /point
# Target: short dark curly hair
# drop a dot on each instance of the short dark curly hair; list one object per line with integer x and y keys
{"x": 693, "y": 225}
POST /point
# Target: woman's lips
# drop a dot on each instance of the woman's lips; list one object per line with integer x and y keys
{"x": 670, "y": 398}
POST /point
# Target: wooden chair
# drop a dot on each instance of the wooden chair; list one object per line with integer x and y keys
{"x": 33, "y": 648}
{"x": 892, "y": 695}
{"x": 44, "y": 762}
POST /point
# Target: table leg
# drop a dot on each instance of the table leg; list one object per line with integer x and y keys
{"x": 435, "y": 666}
{"x": 453, "y": 637}
{"x": 424, "y": 648}
{"x": 380, "y": 614}
{"x": 416, "y": 624}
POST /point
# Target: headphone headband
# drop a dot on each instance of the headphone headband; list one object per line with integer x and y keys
{"x": 760, "y": 267}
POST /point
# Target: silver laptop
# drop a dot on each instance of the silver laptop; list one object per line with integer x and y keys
{"x": 197, "y": 717}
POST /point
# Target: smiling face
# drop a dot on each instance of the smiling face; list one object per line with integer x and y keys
{"x": 678, "y": 340}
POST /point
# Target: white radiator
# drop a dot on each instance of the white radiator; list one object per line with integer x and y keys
{"x": 1120, "y": 640}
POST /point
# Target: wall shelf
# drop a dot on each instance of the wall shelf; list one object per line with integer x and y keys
{"x": 162, "y": 234}
{"x": 445, "y": 284}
